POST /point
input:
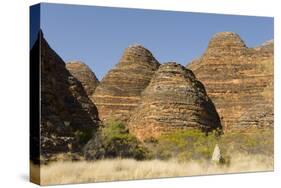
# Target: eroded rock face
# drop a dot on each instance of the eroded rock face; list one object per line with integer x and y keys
{"x": 68, "y": 117}
{"x": 260, "y": 115}
{"x": 84, "y": 75}
{"x": 235, "y": 76}
{"x": 119, "y": 91}
{"x": 173, "y": 100}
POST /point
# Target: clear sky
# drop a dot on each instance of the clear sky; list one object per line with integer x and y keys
{"x": 98, "y": 35}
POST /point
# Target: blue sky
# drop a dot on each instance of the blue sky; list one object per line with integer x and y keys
{"x": 98, "y": 35}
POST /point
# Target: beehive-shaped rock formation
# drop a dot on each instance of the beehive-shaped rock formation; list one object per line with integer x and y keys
{"x": 234, "y": 75}
{"x": 173, "y": 100}
{"x": 68, "y": 116}
{"x": 119, "y": 91}
{"x": 83, "y": 74}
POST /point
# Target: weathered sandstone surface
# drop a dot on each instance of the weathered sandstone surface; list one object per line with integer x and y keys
{"x": 84, "y": 75}
{"x": 173, "y": 100}
{"x": 260, "y": 115}
{"x": 119, "y": 91}
{"x": 68, "y": 117}
{"x": 235, "y": 78}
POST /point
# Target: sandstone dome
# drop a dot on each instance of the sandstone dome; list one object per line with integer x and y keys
{"x": 173, "y": 100}
{"x": 136, "y": 54}
{"x": 225, "y": 43}
{"x": 83, "y": 74}
{"x": 66, "y": 110}
{"x": 235, "y": 76}
{"x": 119, "y": 91}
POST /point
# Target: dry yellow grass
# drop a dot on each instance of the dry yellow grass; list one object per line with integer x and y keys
{"x": 128, "y": 169}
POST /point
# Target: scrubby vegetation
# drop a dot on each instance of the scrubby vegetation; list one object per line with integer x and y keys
{"x": 252, "y": 142}
{"x": 114, "y": 140}
{"x": 84, "y": 136}
{"x": 183, "y": 145}
{"x": 114, "y": 154}
{"x": 196, "y": 145}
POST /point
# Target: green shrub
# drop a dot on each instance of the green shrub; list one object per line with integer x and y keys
{"x": 184, "y": 145}
{"x": 83, "y": 136}
{"x": 251, "y": 142}
{"x": 196, "y": 145}
{"x": 114, "y": 140}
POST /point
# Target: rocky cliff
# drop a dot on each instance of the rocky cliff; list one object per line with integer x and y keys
{"x": 68, "y": 117}
{"x": 260, "y": 115}
{"x": 119, "y": 91}
{"x": 235, "y": 77}
{"x": 84, "y": 75}
{"x": 173, "y": 100}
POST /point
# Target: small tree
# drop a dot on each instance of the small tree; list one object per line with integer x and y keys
{"x": 114, "y": 140}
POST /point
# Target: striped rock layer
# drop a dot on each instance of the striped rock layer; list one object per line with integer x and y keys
{"x": 84, "y": 75}
{"x": 173, "y": 100}
{"x": 235, "y": 78}
{"x": 119, "y": 91}
{"x": 67, "y": 114}
{"x": 260, "y": 115}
